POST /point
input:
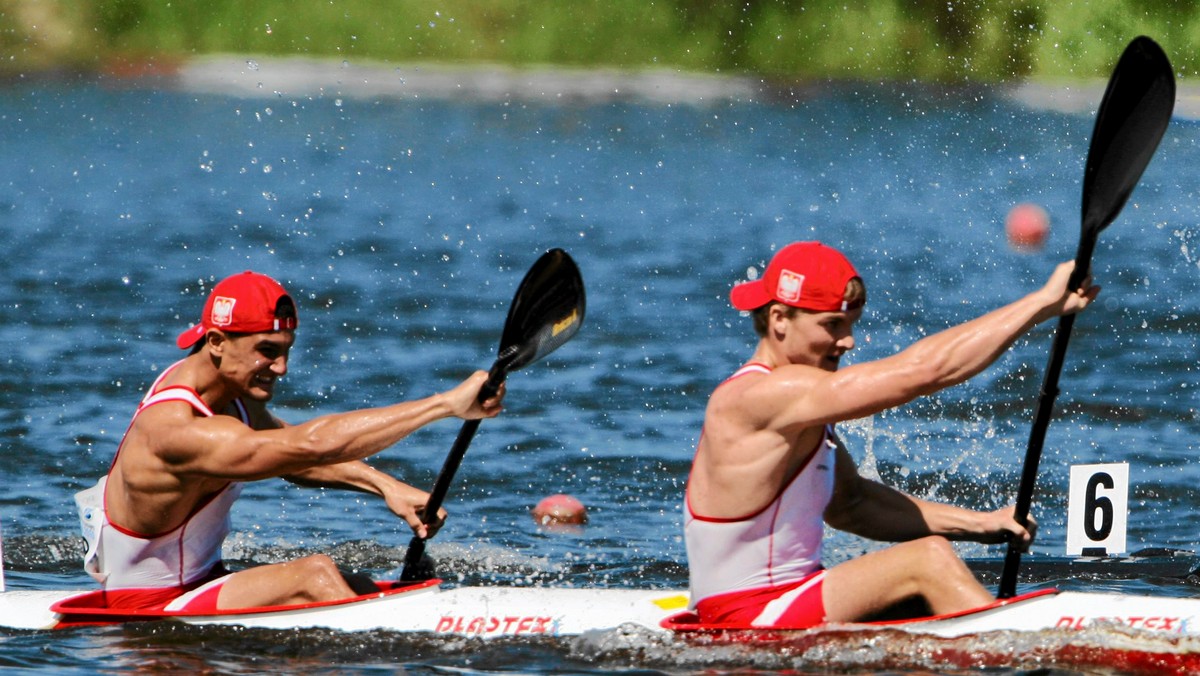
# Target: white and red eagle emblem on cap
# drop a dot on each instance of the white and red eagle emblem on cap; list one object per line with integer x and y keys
{"x": 222, "y": 311}
{"x": 790, "y": 284}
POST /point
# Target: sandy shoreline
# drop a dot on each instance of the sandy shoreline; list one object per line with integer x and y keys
{"x": 296, "y": 77}
{"x": 286, "y": 78}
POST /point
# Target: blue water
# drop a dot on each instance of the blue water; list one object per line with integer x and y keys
{"x": 402, "y": 227}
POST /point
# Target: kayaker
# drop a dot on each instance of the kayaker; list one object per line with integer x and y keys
{"x": 156, "y": 522}
{"x": 770, "y": 471}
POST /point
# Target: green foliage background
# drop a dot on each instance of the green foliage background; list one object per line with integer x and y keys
{"x": 935, "y": 40}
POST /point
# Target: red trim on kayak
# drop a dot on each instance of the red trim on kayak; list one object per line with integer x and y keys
{"x": 690, "y": 622}
{"x": 89, "y": 609}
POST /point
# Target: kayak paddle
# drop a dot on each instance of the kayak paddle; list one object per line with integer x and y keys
{"x": 546, "y": 312}
{"x": 1132, "y": 118}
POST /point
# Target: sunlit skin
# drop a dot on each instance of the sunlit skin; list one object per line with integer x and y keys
{"x": 253, "y": 363}
{"x": 760, "y": 428}
{"x": 817, "y": 339}
{"x": 173, "y": 459}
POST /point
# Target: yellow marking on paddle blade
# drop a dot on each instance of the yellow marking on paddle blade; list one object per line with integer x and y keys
{"x": 564, "y": 324}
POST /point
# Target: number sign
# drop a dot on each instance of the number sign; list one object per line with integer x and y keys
{"x": 1097, "y": 509}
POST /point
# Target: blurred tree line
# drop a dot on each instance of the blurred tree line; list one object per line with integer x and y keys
{"x": 935, "y": 40}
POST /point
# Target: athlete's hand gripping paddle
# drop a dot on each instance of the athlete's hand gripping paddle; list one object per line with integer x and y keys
{"x": 1132, "y": 119}
{"x": 546, "y": 311}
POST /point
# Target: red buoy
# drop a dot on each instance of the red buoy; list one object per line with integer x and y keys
{"x": 560, "y": 509}
{"x": 1027, "y": 226}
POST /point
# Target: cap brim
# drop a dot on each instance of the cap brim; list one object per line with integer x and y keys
{"x": 190, "y": 337}
{"x": 749, "y": 295}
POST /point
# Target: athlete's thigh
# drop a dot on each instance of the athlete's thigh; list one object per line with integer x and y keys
{"x": 298, "y": 581}
{"x": 872, "y": 582}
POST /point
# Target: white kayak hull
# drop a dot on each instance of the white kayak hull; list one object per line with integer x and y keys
{"x": 424, "y": 607}
{"x": 1034, "y": 611}
{"x": 1070, "y": 610}
{"x": 484, "y": 612}
{"x": 516, "y": 611}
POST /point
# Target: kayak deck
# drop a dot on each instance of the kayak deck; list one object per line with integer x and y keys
{"x": 398, "y": 606}
{"x": 89, "y": 608}
{"x": 488, "y": 612}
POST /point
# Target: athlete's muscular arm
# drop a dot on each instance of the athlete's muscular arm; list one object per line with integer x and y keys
{"x": 221, "y": 447}
{"x": 873, "y": 510}
{"x": 815, "y": 397}
{"x": 404, "y": 500}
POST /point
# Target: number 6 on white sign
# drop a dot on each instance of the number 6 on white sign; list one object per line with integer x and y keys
{"x": 1097, "y": 509}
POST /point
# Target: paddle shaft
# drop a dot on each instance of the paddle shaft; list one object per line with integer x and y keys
{"x": 416, "y": 546}
{"x": 442, "y": 486}
{"x": 1043, "y": 413}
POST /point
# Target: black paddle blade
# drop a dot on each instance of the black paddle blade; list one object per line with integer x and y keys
{"x": 546, "y": 311}
{"x": 1132, "y": 119}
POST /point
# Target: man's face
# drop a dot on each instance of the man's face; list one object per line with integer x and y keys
{"x": 253, "y": 362}
{"x": 820, "y": 338}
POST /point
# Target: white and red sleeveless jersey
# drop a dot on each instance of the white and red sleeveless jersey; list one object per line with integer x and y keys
{"x": 779, "y": 544}
{"x": 121, "y": 559}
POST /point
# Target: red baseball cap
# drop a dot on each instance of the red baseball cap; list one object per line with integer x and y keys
{"x": 244, "y": 303}
{"x": 807, "y": 275}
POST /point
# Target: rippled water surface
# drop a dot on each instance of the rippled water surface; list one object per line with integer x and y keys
{"x": 403, "y": 227}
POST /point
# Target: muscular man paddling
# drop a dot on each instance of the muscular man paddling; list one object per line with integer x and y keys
{"x": 769, "y": 467}
{"x": 156, "y": 522}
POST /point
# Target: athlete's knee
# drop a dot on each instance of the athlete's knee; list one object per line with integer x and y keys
{"x": 939, "y": 555}
{"x": 935, "y": 547}
{"x": 320, "y": 565}
{"x": 321, "y": 576}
